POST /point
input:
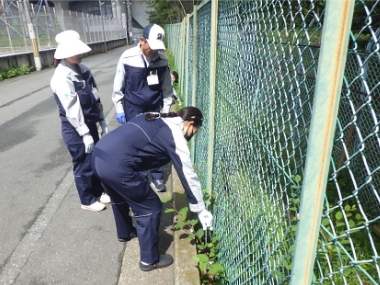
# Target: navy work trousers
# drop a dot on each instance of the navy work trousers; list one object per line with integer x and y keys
{"x": 88, "y": 185}
{"x": 128, "y": 188}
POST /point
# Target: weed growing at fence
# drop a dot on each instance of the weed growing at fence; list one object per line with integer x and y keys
{"x": 211, "y": 271}
{"x": 25, "y": 69}
{"x": 344, "y": 252}
{"x": 341, "y": 242}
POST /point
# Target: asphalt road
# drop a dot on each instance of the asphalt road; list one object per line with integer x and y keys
{"x": 46, "y": 238}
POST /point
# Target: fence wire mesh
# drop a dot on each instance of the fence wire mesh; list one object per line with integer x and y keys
{"x": 266, "y": 68}
{"x": 47, "y": 22}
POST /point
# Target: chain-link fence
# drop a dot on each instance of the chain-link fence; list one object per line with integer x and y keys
{"x": 258, "y": 120}
{"x": 47, "y": 22}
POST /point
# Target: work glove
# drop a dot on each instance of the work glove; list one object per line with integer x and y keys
{"x": 104, "y": 127}
{"x": 205, "y": 217}
{"x": 88, "y": 143}
{"x": 120, "y": 117}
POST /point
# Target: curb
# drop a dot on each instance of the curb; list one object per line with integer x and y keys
{"x": 185, "y": 271}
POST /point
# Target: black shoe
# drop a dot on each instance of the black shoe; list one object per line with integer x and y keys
{"x": 165, "y": 261}
{"x": 131, "y": 236}
{"x": 158, "y": 185}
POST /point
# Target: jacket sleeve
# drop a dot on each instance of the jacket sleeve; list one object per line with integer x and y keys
{"x": 167, "y": 91}
{"x": 69, "y": 99}
{"x": 118, "y": 87}
{"x": 178, "y": 151}
{"x": 95, "y": 91}
{"x": 99, "y": 103}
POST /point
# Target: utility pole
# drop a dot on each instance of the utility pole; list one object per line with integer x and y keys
{"x": 104, "y": 33}
{"x": 32, "y": 35}
{"x": 129, "y": 18}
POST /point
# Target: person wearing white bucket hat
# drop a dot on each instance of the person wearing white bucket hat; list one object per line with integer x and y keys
{"x": 80, "y": 109}
{"x": 143, "y": 84}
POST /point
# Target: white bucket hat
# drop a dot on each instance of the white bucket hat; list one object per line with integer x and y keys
{"x": 69, "y": 44}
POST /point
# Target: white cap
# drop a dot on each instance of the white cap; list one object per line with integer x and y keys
{"x": 69, "y": 44}
{"x": 154, "y": 35}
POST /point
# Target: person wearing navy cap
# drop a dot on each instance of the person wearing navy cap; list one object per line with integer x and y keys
{"x": 143, "y": 84}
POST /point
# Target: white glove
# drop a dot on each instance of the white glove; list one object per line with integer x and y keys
{"x": 205, "y": 217}
{"x": 88, "y": 143}
{"x": 104, "y": 127}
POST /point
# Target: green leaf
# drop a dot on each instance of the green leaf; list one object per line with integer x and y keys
{"x": 202, "y": 266}
{"x": 193, "y": 222}
{"x": 215, "y": 240}
{"x": 297, "y": 178}
{"x": 339, "y": 215}
{"x": 169, "y": 210}
{"x": 202, "y": 258}
{"x": 196, "y": 259}
{"x": 215, "y": 268}
{"x": 183, "y": 212}
{"x": 351, "y": 223}
{"x": 338, "y": 225}
{"x": 358, "y": 217}
{"x": 191, "y": 236}
{"x": 347, "y": 208}
{"x": 165, "y": 200}
{"x": 325, "y": 221}
{"x": 179, "y": 225}
{"x": 200, "y": 233}
{"x": 210, "y": 245}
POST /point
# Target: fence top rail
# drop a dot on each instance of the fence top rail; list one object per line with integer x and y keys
{"x": 203, "y": 3}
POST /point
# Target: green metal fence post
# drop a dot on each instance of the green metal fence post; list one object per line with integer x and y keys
{"x": 331, "y": 67}
{"x": 194, "y": 87}
{"x": 181, "y": 59}
{"x": 195, "y": 32}
{"x": 213, "y": 47}
{"x": 186, "y": 67}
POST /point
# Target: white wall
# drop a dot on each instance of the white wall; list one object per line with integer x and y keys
{"x": 139, "y": 8}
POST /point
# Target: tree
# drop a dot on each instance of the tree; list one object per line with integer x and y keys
{"x": 170, "y": 11}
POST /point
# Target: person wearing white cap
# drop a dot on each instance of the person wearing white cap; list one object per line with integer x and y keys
{"x": 80, "y": 109}
{"x": 143, "y": 84}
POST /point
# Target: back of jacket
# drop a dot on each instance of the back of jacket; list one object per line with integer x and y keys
{"x": 141, "y": 145}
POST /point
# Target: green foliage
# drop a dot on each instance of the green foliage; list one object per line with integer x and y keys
{"x": 25, "y": 69}
{"x": 334, "y": 252}
{"x": 168, "y": 11}
{"x": 341, "y": 227}
{"x": 171, "y": 63}
{"x": 211, "y": 270}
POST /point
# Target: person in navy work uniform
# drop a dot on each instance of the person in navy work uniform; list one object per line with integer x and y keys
{"x": 121, "y": 160}
{"x": 143, "y": 84}
{"x": 80, "y": 109}
{"x": 174, "y": 78}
